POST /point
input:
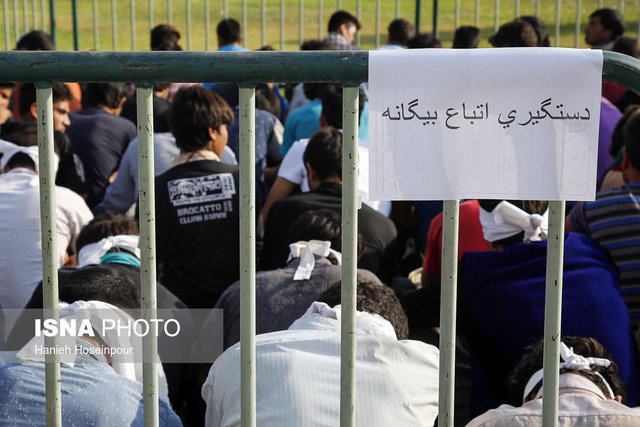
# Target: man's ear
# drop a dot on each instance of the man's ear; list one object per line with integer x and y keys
{"x": 342, "y": 29}
{"x": 34, "y": 110}
{"x": 618, "y": 398}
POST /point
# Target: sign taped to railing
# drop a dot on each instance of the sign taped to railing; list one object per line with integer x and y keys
{"x": 512, "y": 123}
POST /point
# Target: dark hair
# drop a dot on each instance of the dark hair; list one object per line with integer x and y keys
{"x": 540, "y": 28}
{"x": 617, "y": 139}
{"x": 229, "y": 31}
{"x": 400, "y": 31}
{"x": 193, "y": 112}
{"x": 324, "y": 154}
{"x": 35, "y": 40}
{"x": 626, "y": 45}
{"x": 159, "y": 87}
{"x": 466, "y": 37}
{"x": 342, "y": 17}
{"x": 421, "y": 41}
{"x": 516, "y": 33}
{"x": 108, "y": 94}
{"x": 318, "y": 224}
{"x": 610, "y": 19}
{"x": 266, "y": 48}
{"x": 317, "y": 45}
{"x": 375, "y": 298}
{"x": 529, "y": 206}
{"x": 331, "y": 97}
{"x": 101, "y": 283}
{"x": 267, "y": 100}
{"x": 105, "y": 225}
{"x": 8, "y": 84}
{"x": 165, "y": 37}
{"x": 631, "y": 135}
{"x": 532, "y": 361}
{"x": 21, "y": 160}
{"x": 27, "y": 97}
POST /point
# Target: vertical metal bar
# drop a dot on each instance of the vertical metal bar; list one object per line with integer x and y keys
{"x": 359, "y": 17}
{"x": 476, "y": 16}
{"x": 639, "y": 23}
{"x": 397, "y": 14}
{"x": 457, "y": 14}
{"x": 599, "y": 4}
{"x": 188, "y": 13}
{"x": 621, "y": 6}
{"x": 25, "y": 15}
{"x": 169, "y": 12}
{"x": 263, "y": 22}
{"x": 377, "y": 23}
{"x": 339, "y": 5}
{"x": 418, "y": 13}
{"x": 517, "y": 11}
{"x": 300, "y": 22}
{"x": 320, "y": 19}
{"x": 7, "y": 32}
{"x": 247, "y": 257}
{"x": 144, "y": 100}
{"x": 448, "y": 298}
{"x": 43, "y": 14}
{"x": 436, "y": 18}
{"x": 496, "y": 17}
{"x": 16, "y": 24}
{"x": 207, "y": 25}
{"x": 132, "y": 14}
{"x": 244, "y": 23}
{"x": 44, "y": 99}
{"x": 225, "y": 9}
{"x": 34, "y": 15}
{"x": 538, "y": 8}
{"x": 114, "y": 25}
{"x": 74, "y": 12}
{"x": 349, "y": 255}
{"x": 557, "y": 34}
{"x": 576, "y": 42}
{"x": 553, "y": 313}
{"x": 96, "y": 40}
{"x": 52, "y": 20}
{"x": 281, "y": 24}
{"x": 150, "y": 15}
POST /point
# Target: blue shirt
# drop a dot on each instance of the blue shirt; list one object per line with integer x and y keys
{"x": 232, "y": 48}
{"x": 92, "y": 394}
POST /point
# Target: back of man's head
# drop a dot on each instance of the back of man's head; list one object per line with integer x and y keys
{"x": 193, "y": 112}
{"x": 466, "y": 37}
{"x": 610, "y": 19}
{"x": 342, "y": 17}
{"x": 400, "y": 31}
{"x": 21, "y": 160}
{"x": 105, "y": 225}
{"x": 229, "y": 31}
{"x": 626, "y": 45}
{"x": 424, "y": 41}
{"x": 516, "y": 33}
{"x": 319, "y": 224}
{"x": 532, "y": 361}
{"x": 105, "y": 94}
{"x": 35, "y": 40}
{"x": 540, "y": 28}
{"x": 324, "y": 154}
{"x": 375, "y": 298}
{"x": 331, "y": 97}
{"x": 631, "y": 137}
{"x": 317, "y": 45}
{"x": 101, "y": 283}
{"x": 60, "y": 92}
{"x": 165, "y": 37}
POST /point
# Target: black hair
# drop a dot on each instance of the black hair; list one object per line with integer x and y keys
{"x": 105, "y": 225}
{"x": 342, "y": 17}
{"x": 540, "y": 28}
{"x": 107, "y": 94}
{"x": 610, "y": 19}
{"x": 331, "y": 97}
{"x": 165, "y": 37}
{"x": 35, "y": 40}
{"x": 516, "y": 33}
{"x": 400, "y": 31}
{"x": 375, "y": 298}
{"x": 626, "y": 45}
{"x": 317, "y": 45}
{"x": 267, "y": 100}
{"x": 101, "y": 283}
{"x": 617, "y": 139}
{"x": 193, "y": 112}
{"x": 324, "y": 154}
{"x": 421, "y": 41}
{"x": 8, "y": 84}
{"x": 318, "y": 224}
{"x": 631, "y": 135}
{"x": 60, "y": 92}
{"x": 229, "y": 31}
{"x": 466, "y": 37}
{"x": 21, "y": 160}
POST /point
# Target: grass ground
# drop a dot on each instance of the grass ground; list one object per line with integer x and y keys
{"x": 405, "y": 9}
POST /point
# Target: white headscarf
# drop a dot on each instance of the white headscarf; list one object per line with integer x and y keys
{"x": 506, "y": 220}
{"x": 91, "y": 253}
{"x": 306, "y": 251}
{"x": 31, "y": 151}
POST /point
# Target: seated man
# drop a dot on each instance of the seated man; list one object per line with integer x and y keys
{"x": 343, "y": 27}
{"x": 280, "y": 294}
{"x": 591, "y": 393}
{"x": 605, "y": 26}
{"x": 98, "y": 388}
{"x": 299, "y": 369}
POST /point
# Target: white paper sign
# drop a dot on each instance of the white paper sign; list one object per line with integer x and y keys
{"x": 510, "y": 123}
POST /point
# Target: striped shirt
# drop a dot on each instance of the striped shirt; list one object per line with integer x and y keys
{"x": 613, "y": 221}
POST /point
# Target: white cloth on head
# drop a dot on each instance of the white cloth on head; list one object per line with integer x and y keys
{"x": 91, "y": 253}
{"x": 31, "y": 151}
{"x": 506, "y": 220}
{"x": 299, "y": 376}
{"x": 306, "y": 251}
